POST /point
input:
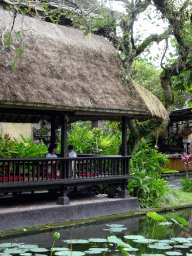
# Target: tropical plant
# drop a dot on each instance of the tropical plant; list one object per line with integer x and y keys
{"x": 146, "y": 187}
{"x": 25, "y": 148}
{"x": 147, "y": 159}
{"x": 146, "y": 184}
{"x": 7, "y": 146}
{"x": 186, "y": 184}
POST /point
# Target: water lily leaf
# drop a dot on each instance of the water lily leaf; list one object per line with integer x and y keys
{"x": 152, "y": 254}
{"x": 155, "y": 216}
{"x": 7, "y": 245}
{"x": 131, "y": 249}
{"x": 180, "y": 239}
{"x": 167, "y": 241}
{"x": 178, "y": 219}
{"x": 115, "y": 225}
{"x": 98, "y": 240}
{"x": 70, "y": 253}
{"x": 145, "y": 241}
{"x": 39, "y": 250}
{"x": 15, "y": 250}
{"x": 26, "y": 254}
{"x": 134, "y": 237}
{"x": 165, "y": 223}
{"x": 118, "y": 241}
{"x": 60, "y": 249}
{"x": 76, "y": 241}
{"x": 174, "y": 253}
{"x": 182, "y": 246}
{"x": 96, "y": 250}
{"x": 160, "y": 246}
{"x": 30, "y": 246}
{"x": 117, "y": 229}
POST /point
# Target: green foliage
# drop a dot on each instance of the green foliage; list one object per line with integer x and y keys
{"x": 186, "y": 184}
{"x": 146, "y": 183}
{"x": 146, "y": 187}
{"x": 179, "y": 219}
{"x": 148, "y": 76}
{"x": 148, "y": 159}
{"x": 95, "y": 141}
{"x": 155, "y": 216}
{"x": 25, "y": 148}
{"x": 7, "y": 147}
{"x": 22, "y": 149}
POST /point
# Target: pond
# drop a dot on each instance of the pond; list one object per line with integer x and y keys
{"x": 131, "y": 236}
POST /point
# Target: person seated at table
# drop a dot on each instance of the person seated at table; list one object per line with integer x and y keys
{"x": 72, "y": 154}
{"x": 71, "y": 151}
{"x": 51, "y": 151}
{"x": 52, "y": 154}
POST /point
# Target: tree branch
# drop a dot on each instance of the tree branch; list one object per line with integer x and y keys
{"x": 152, "y": 38}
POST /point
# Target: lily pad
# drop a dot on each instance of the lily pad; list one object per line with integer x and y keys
{"x": 7, "y": 245}
{"x": 134, "y": 237}
{"x": 118, "y": 241}
{"x": 96, "y": 250}
{"x": 180, "y": 239}
{"x": 60, "y": 249}
{"x": 152, "y": 254}
{"x": 181, "y": 246}
{"x": 70, "y": 253}
{"x": 26, "y": 254}
{"x": 39, "y": 250}
{"x": 117, "y": 229}
{"x": 130, "y": 249}
{"x": 76, "y": 241}
{"x": 174, "y": 253}
{"x": 160, "y": 246}
{"x": 114, "y": 225}
{"x": 98, "y": 240}
{"x": 165, "y": 223}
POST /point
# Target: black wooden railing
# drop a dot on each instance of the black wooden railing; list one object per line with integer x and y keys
{"x": 38, "y": 169}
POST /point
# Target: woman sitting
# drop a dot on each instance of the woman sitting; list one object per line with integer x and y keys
{"x": 51, "y": 154}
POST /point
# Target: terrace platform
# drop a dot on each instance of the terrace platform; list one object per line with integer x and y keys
{"x": 39, "y": 209}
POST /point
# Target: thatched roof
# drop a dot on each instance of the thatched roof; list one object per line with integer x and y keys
{"x": 61, "y": 69}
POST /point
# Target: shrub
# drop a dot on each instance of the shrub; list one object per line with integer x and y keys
{"x": 25, "y": 148}
{"x": 146, "y": 183}
{"x": 186, "y": 184}
{"x": 7, "y": 146}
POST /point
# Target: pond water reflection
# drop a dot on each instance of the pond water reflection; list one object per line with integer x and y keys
{"x": 139, "y": 236}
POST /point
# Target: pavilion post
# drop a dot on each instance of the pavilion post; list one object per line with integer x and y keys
{"x": 125, "y": 163}
{"x": 64, "y": 166}
{"x": 53, "y": 128}
{"x": 124, "y": 136}
{"x": 64, "y": 136}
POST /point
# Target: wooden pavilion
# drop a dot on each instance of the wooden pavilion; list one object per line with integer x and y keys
{"x": 64, "y": 76}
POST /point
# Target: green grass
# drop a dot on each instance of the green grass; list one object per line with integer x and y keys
{"x": 173, "y": 197}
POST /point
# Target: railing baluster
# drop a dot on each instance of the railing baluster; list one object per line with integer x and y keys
{"x": 3, "y": 170}
{"x": 117, "y": 166}
{"x": 24, "y": 171}
{"x": 104, "y": 167}
{"x": 33, "y": 170}
{"x": 86, "y": 168}
{"x": 8, "y": 169}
